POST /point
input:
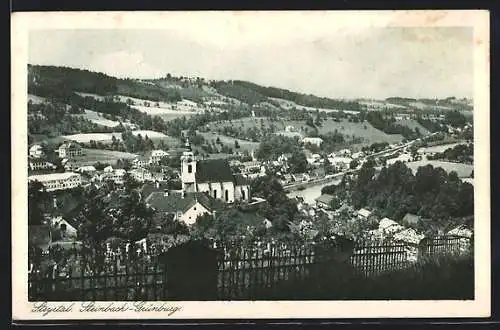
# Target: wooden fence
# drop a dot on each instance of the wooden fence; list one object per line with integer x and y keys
{"x": 243, "y": 271}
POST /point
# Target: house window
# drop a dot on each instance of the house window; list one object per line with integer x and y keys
{"x": 215, "y": 193}
{"x": 190, "y": 168}
{"x": 226, "y": 195}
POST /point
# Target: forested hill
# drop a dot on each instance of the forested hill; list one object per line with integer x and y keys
{"x": 62, "y": 82}
{"x": 253, "y": 93}
{"x": 449, "y": 102}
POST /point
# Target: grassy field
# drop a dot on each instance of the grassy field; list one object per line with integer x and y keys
{"x": 106, "y": 137}
{"x": 36, "y": 99}
{"x": 92, "y": 156}
{"x": 286, "y": 104}
{"x": 411, "y": 123}
{"x": 463, "y": 170}
{"x": 363, "y": 130}
{"x": 98, "y": 119}
{"x": 168, "y": 116}
{"x": 440, "y": 148}
{"x": 95, "y": 96}
{"x": 229, "y": 141}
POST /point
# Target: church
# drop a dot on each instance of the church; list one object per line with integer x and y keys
{"x": 214, "y": 177}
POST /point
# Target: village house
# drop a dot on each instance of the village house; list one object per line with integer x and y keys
{"x": 389, "y": 227}
{"x": 290, "y": 134}
{"x": 313, "y": 140}
{"x": 141, "y": 174}
{"x": 36, "y": 151}
{"x": 184, "y": 206}
{"x": 409, "y": 236}
{"x": 250, "y": 167}
{"x": 116, "y": 175}
{"x": 37, "y": 164}
{"x": 324, "y": 201}
{"x": 140, "y": 161}
{"x": 461, "y": 231}
{"x": 157, "y": 155}
{"x": 344, "y": 153}
{"x": 402, "y": 116}
{"x": 301, "y": 177}
{"x": 340, "y": 163}
{"x": 62, "y": 229}
{"x": 357, "y": 155}
{"x": 314, "y": 159}
{"x": 69, "y": 149}
{"x": 150, "y": 158}
{"x": 404, "y": 158}
{"x": 213, "y": 176}
{"x": 89, "y": 169}
{"x": 363, "y": 213}
{"x": 58, "y": 181}
{"x": 411, "y": 220}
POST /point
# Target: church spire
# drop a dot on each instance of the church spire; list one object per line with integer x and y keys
{"x": 187, "y": 145}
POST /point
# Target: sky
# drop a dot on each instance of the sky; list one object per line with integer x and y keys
{"x": 345, "y": 62}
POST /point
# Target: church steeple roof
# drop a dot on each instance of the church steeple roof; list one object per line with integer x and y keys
{"x": 187, "y": 145}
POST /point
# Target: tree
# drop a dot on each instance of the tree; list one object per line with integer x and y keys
{"x": 335, "y": 203}
{"x": 309, "y": 122}
{"x": 354, "y": 164}
{"x": 37, "y": 198}
{"x": 318, "y": 120}
{"x": 298, "y": 162}
{"x": 455, "y": 118}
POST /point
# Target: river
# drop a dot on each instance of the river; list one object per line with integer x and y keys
{"x": 311, "y": 193}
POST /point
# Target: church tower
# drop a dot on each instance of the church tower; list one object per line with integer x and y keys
{"x": 188, "y": 169}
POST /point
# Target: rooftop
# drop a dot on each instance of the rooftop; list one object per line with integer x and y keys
{"x": 325, "y": 198}
{"x": 174, "y": 202}
{"x": 241, "y": 180}
{"x": 52, "y": 176}
{"x": 70, "y": 144}
{"x": 148, "y": 188}
{"x": 364, "y": 212}
{"x": 411, "y": 219}
{"x": 213, "y": 170}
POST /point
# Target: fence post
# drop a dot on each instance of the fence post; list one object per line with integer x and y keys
{"x": 191, "y": 271}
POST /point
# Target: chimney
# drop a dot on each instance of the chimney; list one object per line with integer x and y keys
{"x": 157, "y": 184}
{"x": 165, "y": 192}
{"x": 183, "y": 194}
{"x": 54, "y": 200}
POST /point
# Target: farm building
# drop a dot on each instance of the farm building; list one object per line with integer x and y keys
{"x": 364, "y": 213}
{"x": 58, "y": 181}
{"x": 186, "y": 207}
{"x": 411, "y": 220}
{"x": 69, "y": 149}
{"x": 36, "y": 151}
{"x": 40, "y": 164}
{"x": 324, "y": 201}
{"x": 313, "y": 140}
{"x": 389, "y": 227}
